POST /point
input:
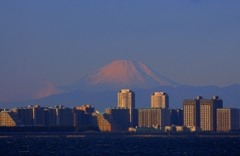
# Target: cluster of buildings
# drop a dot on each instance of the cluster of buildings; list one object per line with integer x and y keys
{"x": 47, "y": 116}
{"x": 209, "y": 115}
{"x": 197, "y": 115}
{"x": 126, "y": 116}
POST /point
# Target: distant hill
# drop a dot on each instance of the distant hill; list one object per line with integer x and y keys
{"x": 104, "y": 99}
{"x": 121, "y": 74}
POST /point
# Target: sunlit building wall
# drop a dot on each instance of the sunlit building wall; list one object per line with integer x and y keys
{"x": 154, "y": 117}
{"x": 160, "y": 100}
{"x": 126, "y": 99}
{"x": 9, "y": 118}
{"x": 208, "y": 113}
{"x": 227, "y": 119}
{"x": 88, "y": 109}
{"x": 104, "y": 122}
{"x": 191, "y": 111}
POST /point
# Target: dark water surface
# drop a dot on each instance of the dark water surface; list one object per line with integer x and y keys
{"x": 121, "y": 146}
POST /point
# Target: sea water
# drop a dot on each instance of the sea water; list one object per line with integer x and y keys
{"x": 120, "y": 146}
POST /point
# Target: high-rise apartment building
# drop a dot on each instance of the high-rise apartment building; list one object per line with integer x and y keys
{"x": 124, "y": 117}
{"x": 65, "y": 116}
{"x": 201, "y": 113}
{"x": 159, "y": 100}
{"x": 191, "y": 112}
{"x": 38, "y": 115}
{"x": 227, "y": 119}
{"x": 208, "y": 113}
{"x": 30, "y": 115}
{"x": 25, "y": 114}
{"x": 80, "y": 118}
{"x": 126, "y": 98}
{"x": 87, "y": 117}
{"x": 50, "y": 116}
{"x": 176, "y": 117}
{"x": 154, "y": 117}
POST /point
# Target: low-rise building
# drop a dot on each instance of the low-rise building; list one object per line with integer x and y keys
{"x": 175, "y": 128}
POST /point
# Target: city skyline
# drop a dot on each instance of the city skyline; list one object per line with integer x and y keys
{"x": 197, "y": 115}
{"x": 193, "y": 43}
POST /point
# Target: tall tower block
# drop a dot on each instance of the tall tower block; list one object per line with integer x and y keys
{"x": 201, "y": 112}
{"x": 191, "y": 112}
{"x": 126, "y": 98}
{"x": 208, "y": 113}
{"x": 227, "y": 119}
{"x": 160, "y": 99}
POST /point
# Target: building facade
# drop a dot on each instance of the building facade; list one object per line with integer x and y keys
{"x": 191, "y": 112}
{"x": 124, "y": 117}
{"x": 38, "y": 116}
{"x": 126, "y": 99}
{"x": 50, "y": 116}
{"x": 9, "y": 118}
{"x": 176, "y": 117}
{"x": 208, "y": 113}
{"x": 88, "y": 109}
{"x": 201, "y": 113}
{"x": 227, "y": 119}
{"x": 152, "y": 117}
{"x": 47, "y": 116}
{"x": 159, "y": 100}
{"x": 65, "y": 116}
{"x": 104, "y": 122}
{"x": 25, "y": 114}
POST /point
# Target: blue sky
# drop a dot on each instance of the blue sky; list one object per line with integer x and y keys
{"x": 193, "y": 42}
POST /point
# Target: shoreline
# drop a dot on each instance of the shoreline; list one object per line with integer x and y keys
{"x": 118, "y": 134}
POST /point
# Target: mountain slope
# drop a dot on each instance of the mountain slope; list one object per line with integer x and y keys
{"x": 121, "y": 74}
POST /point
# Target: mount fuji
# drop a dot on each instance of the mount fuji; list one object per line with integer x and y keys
{"x": 121, "y": 74}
